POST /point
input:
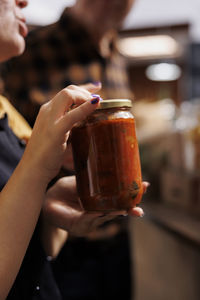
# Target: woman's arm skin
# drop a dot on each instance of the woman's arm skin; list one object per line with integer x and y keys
{"x": 20, "y": 205}
{"x": 22, "y": 197}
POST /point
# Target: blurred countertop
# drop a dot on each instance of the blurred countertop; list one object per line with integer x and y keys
{"x": 178, "y": 222}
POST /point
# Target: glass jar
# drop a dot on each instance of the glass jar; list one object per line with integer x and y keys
{"x": 106, "y": 158}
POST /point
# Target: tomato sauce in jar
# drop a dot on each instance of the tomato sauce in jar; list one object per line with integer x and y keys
{"x": 106, "y": 158}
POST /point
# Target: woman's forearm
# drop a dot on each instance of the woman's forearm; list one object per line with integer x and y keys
{"x": 20, "y": 205}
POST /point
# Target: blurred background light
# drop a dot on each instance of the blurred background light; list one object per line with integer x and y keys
{"x": 149, "y": 46}
{"x": 163, "y": 72}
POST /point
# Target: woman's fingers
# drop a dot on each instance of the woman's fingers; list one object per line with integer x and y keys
{"x": 92, "y": 87}
{"x": 136, "y": 212}
{"x": 145, "y": 185}
{"x": 79, "y": 113}
{"x": 72, "y": 96}
{"x": 63, "y": 101}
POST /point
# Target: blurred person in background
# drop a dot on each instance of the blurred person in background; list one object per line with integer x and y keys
{"x": 79, "y": 48}
{"x": 28, "y": 239}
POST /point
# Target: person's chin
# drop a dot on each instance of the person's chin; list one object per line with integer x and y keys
{"x": 14, "y": 50}
{"x": 19, "y": 47}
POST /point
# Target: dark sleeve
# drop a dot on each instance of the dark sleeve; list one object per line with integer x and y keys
{"x": 27, "y": 279}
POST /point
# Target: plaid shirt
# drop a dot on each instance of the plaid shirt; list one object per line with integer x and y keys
{"x": 58, "y": 55}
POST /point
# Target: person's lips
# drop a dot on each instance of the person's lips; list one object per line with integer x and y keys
{"x": 23, "y": 30}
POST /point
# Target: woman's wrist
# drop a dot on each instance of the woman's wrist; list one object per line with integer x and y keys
{"x": 32, "y": 174}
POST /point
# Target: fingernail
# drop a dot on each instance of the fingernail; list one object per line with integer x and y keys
{"x": 95, "y": 100}
{"x": 124, "y": 215}
{"x": 95, "y": 95}
{"x": 97, "y": 83}
{"x": 145, "y": 190}
{"x": 143, "y": 214}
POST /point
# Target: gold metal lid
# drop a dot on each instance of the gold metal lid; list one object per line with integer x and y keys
{"x": 112, "y": 103}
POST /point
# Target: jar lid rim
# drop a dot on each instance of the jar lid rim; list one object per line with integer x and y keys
{"x": 112, "y": 103}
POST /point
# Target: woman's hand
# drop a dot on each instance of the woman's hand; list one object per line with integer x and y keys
{"x": 46, "y": 148}
{"x": 62, "y": 209}
{"x": 138, "y": 211}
